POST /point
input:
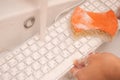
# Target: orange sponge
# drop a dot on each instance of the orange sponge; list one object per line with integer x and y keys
{"x": 91, "y": 23}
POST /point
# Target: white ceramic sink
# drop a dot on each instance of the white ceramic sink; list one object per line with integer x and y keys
{"x": 13, "y": 17}
{"x": 14, "y": 13}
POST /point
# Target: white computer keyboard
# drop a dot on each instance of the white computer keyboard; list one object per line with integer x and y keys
{"x": 49, "y": 59}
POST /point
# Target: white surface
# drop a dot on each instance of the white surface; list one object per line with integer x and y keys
{"x": 16, "y": 12}
{"x": 10, "y": 8}
{"x": 13, "y": 14}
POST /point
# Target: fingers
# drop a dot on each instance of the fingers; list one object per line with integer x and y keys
{"x": 80, "y": 64}
{"x": 80, "y": 74}
{"x": 75, "y": 71}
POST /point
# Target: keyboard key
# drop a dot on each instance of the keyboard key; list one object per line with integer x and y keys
{"x": 21, "y": 66}
{"x": 21, "y": 76}
{"x": 23, "y": 47}
{"x": 0, "y": 73}
{"x": 43, "y": 60}
{"x": 34, "y": 47}
{"x": 53, "y": 34}
{"x": 14, "y": 71}
{"x": 87, "y": 4}
{"x": 109, "y": 2}
{"x": 12, "y": 62}
{"x": 47, "y": 38}
{"x": 6, "y": 76}
{"x": 97, "y": 4}
{"x": 29, "y": 70}
{"x": 9, "y": 56}
{"x": 36, "y": 37}
{"x": 56, "y": 50}
{"x": 51, "y": 28}
{"x": 27, "y": 52}
{"x": 52, "y": 64}
{"x": 38, "y": 74}
{"x": 63, "y": 45}
{"x": 50, "y": 55}
{"x": 64, "y": 26}
{"x": 84, "y": 49}
{"x": 13, "y": 79}
{"x": 57, "y": 24}
{"x": 31, "y": 41}
{"x": 83, "y": 40}
{"x": 81, "y": 55}
{"x": 102, "y": 8}
{"x": 91, "y": 7}
{"x": 65, "y": 54}
{"x": 20, "y": 57}
{"x": 30, "y": 77}
{"x": 5, "y": 67}
{"x": 62, "y": 37}
{"x": 43, "y": 51}
{"x": 93, "y": 42}
{"x": 68, "y": 16}
{"x": 88, "y": 37}
{"x": 49, "y": 46}
{"x": 45, "y": 68}
{"x": 16, "y": 51}
{"x": 29, "y": 61}
{"x": 36, "y": 56}
{"x": 40, "y": 43}
{"x": 36, "y": 66}
{"x": 78, "y": 44}
{"x": 69, "y": 41}
{"x": 67, "y": 33}
{"x": 59, "y": 30}
{"x": 98, "y": 40}
{"x": 55, "y": 41}
{"x": 59, "y": 59}
{"x": 2, "y": 61}
{"x": 63, "y": 20}
{"x": 71, "y": 49}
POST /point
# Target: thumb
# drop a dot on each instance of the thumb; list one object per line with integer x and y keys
{"x": 80, "y": 74}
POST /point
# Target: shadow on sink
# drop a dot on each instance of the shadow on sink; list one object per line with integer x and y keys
{"x": 112, "y": 47}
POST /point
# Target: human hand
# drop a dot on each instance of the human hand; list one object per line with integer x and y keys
{"x": 104, "y": 66}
